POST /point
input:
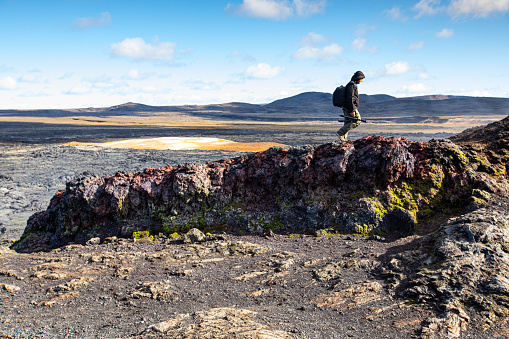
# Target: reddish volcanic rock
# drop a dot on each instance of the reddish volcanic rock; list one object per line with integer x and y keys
{"x": 372, "y": 184}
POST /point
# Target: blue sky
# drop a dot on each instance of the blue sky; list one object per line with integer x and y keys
{"x": 83, "y": 53}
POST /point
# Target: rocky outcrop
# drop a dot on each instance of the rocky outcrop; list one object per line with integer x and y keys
{"x": 374, "y": 184}
{"x": 494, "y": 136}
{"x": 460, "y": 268}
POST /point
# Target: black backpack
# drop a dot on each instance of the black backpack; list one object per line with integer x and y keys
{"x": 339, "y": 96}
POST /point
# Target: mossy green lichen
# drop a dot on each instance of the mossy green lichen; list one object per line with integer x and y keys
{"x": 404, "y": 197}
{"x": 459, "y": 157}
{"x": 143, "y": 236}
{"x": 379, "y": 208}
{"x": 174, "y": 227}
{"x": 174, "y": 236}
{"x": 361, "y": 229}
{"x": 326, "y": 232}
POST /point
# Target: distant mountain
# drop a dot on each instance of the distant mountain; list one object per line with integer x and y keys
{"x": 131, "y": 107}
{"x": 308, "y": 106}
{"x": 433, "y": 97}
{"x": 369, "y": 99}
{"x": 307, "y": 98}
{"x": 313, "y": 98}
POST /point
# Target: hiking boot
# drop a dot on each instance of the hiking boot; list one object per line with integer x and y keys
{"x": 341, "y": 137}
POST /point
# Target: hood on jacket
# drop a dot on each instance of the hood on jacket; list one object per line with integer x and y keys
{"x": 357, "y": 76}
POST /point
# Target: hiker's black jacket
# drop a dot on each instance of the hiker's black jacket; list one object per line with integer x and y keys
{"x": 352, "y": 97}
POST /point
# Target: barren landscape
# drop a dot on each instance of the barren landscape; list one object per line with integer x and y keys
{"x": 270, "y": 283}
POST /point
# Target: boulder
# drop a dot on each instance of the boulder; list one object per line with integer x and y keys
{"x": 461, "y": 267}
{"x": 194, "y": 235}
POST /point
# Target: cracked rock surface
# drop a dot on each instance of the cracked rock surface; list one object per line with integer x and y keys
{"x": 222, "y": 287}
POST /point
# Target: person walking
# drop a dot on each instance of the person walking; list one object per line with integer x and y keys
{"x": 351, "y": 107}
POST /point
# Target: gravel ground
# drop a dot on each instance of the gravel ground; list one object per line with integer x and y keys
{"x": 224, "y": 287}
{"x": 295, "y": 285}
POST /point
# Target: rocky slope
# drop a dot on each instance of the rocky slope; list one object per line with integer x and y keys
{"x": 494, "y": 137}
{"x": 370, "y": 185}
{"x": 462, "y": 270}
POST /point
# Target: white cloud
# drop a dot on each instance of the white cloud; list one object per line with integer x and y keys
{"x": 359, "y": 43}
{"x": 445, "y": 33}
{"x": 417, "y": 45}
{"x": 241, "y": 56}
{"x": 83, "y": 23}
{"x": 415, "y": 88}
{"x": 267, "y": 9}
{"x": 477, "y": 8}
{"x": 104, "y": 85}
{"x": 310, "y": 52}
{"x": 309, "y": 7}
{"x": 96, "y": 84}
{"x": 395, "y": 14}
{"x": 313, "y": 38}
{"x": 8, "y": 83}
{"x": 133, "y": 74}
{"x": 396, "y": 68}
{"x": 103, "y": 78}
{"x": 66, "y": 76}
{"x": 364, "y": 29}
{"x": 424, "y": 76}
{"x": 30, "y": 78}
{"x": 137, "y": 49}
{"x": 5, "y": 68}
{"x": 202, "y": 85}
{"x": 263, "y": 71}
{"x": 79, "y": 90}
{"x": 277, "y": 9}
{"x": 427, "y": 7}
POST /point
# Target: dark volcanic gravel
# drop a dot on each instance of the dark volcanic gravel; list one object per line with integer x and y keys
{"x": 118, "y": 290}
{"x": 277, "y": 287}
